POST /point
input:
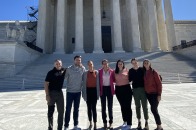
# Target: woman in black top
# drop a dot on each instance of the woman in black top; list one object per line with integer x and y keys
{"x": 136, "y": 76}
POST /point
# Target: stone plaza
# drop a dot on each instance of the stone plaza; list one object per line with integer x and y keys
{"x": 27, "y": 110}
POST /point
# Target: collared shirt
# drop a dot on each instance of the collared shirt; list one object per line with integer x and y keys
{"x": 106, "y": 78}
{"x": 55, "y": 78}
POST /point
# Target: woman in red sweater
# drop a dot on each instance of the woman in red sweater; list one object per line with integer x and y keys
{"x": 153, "y": 88}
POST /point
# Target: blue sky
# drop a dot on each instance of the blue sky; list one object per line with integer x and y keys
{"x": 182, "y": 9}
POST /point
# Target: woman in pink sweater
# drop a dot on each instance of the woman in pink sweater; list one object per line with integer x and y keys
{"x": 123, "y": 93}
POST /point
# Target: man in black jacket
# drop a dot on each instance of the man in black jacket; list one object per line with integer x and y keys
{"x": 53, "y": 88}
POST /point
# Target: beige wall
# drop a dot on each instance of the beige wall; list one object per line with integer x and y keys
{"x": 185, "y": 30}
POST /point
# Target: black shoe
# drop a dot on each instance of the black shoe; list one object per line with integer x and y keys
{"x": 90, "y": 126}
{"x": 158, "y": 129}
{"x": 105, "y": 126}
{"x": 146, "y": 126}
{"x": 111, "y": 127}
{"x": 139, "y": 126}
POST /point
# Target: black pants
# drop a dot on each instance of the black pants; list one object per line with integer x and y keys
{"x": 58, "y": 98}
{"x": 124, "y": 96}
{"x": 107, "y": 94}
{"x": 152, "y": 99}
{"x": 91, "y": 103}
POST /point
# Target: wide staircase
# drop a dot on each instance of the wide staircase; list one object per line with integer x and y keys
{"x": 173, "y": 68}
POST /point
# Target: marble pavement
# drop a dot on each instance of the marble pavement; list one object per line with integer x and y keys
{"x": 27, "y": 110}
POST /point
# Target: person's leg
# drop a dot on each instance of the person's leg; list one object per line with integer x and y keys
{"x": 69, "y": 101}
{"x": 60, "y": 109}
{"x": 51, "y": 107}
{"x": 127, "y": 104}
{"x": 137, "y": 99}
{"x": 76, "y": 107}
{"x": 145, "y": 107}
{"x": 94, "y": 104}
{"x": 120, "y": 96}
{"x": 89, "y": 110}
{"x": 152, "y": 98}
{"x": 110, "y": 104}
{"x": 136, "y": 95}
{"x": 103, "y": 108}
{"x": 144, "y": 103}
{"x": 50, "y": 116}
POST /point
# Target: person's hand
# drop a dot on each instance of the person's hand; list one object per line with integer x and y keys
{"x": 159, "y": 98}
{"x": 47, "y": 98}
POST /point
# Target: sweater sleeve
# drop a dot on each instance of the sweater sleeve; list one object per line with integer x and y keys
{"x": 158, "y": 83}
{"x": 84, "y": 78}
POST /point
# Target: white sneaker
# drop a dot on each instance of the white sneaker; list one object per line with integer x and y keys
{"x": 76, "y": 128}
{"x": 124, "y": 124}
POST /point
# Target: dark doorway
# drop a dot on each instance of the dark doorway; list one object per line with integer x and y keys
{"x": 106, "y": 39}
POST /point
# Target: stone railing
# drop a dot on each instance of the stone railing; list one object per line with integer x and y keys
{"x": 184, "y": 44}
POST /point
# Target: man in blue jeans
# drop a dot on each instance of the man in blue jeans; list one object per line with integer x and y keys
{"x": 73, "y": 79}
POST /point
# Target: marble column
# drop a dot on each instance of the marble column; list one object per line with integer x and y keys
{"x": 153, "y": 26}
{"x": 97, "y": 26}
{"x": 169, "y": 24}
{"x": 41, "y": 29}
{"x": 161, "y": 26}
{"x": 79, "y": 27}
{"x": 145, "y": 26}
{"x": 45, "y": 31}
{"x": 117, "y": 32}
{"x": 60, "y": 29}
{"x": 133, "y": 20}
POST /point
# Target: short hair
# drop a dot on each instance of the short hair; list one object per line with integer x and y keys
{"x": 77, "y": 56}
{"x": 57, "y": 60}
{"x": 104, "y": 60}
{"x": 133, "y": 59}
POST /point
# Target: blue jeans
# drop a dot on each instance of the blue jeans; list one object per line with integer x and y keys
{"x": 70, "y": 99}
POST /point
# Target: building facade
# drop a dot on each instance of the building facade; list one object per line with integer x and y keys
{"x": 105, "y": 26}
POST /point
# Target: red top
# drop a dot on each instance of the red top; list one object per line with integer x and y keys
{"x": 91, "y": 79}
{"x": 152, "y": 82}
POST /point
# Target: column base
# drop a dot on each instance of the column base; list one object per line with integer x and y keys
{"x": 156, "y": 50}
{"x": 138, "y": 50}
{"x": 98, "y": 51}
{"x": 59, "y": 52}
{"x": 78, "y": 52}
{"x": 119, "y": 51}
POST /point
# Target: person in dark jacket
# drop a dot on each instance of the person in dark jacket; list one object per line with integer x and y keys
{"x": 54, "y": 95}
{"x": 153, "y": 88}
{"x": 136, "y": 76}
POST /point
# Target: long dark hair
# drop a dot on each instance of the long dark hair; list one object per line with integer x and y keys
{"x": 117, "y": 69}
{"x": 145, "y": 68}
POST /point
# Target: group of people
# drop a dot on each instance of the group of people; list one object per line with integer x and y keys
{"x": 104, "y": 83}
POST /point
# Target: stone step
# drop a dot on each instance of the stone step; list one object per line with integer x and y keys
{"x": 173, "y": 68}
